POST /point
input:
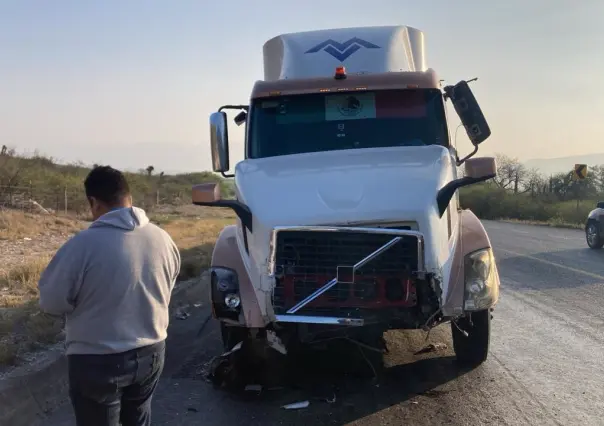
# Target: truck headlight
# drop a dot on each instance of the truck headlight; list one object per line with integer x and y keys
{"x": 232, "y": 301}
{"x": 224, "y": 293}
{"x": 481, "y": 283}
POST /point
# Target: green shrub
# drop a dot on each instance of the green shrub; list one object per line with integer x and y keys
{"x": 488, "y": 201}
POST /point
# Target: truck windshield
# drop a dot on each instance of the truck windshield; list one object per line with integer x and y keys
{"x": 365, "y": 119}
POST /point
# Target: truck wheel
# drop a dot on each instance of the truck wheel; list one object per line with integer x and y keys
{"x": 592, "y": 235}
{"x": 473, "y": 349}
{"x": 232, "y": 335}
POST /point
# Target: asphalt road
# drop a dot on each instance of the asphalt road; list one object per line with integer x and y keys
{"x": 545, "y": 365}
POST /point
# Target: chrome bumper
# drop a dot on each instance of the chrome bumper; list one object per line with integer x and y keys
{"x": 303, "y": 319}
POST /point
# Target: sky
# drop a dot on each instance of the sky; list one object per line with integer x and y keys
{"x": 132, "y": 83}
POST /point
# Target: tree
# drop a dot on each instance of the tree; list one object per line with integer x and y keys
{"x": 511, "y": 174}
{"x": 596, "y": 173}
{"x": 565, "y": 188}
{"x": 150, "y": 170}
{"x": 535, "y": 183}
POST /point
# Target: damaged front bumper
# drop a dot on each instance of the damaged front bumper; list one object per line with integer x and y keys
{"x": 354, "y": 277}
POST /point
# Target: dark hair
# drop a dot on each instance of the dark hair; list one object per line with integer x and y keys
{"x": 107, "y": 185}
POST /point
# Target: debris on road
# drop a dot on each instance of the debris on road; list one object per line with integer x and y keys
{"x": 220, "y": 370}
{"x": 276, "y": 388}
{"x": 235, "y": 349}
{"x": 432, "y": 347}
{"x": 297, "y": 405}
{"x": 250, "y": 365}
{"x": 275, "y": 343}
{"x": 329, "y": 400}
{"x": 181, "y": 313}
{"x": 253, "y": 388}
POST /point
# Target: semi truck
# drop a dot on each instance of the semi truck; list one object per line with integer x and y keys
{"x": 348, "y": 215}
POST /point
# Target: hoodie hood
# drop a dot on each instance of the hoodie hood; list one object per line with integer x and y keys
{"x": 128, "y": 218}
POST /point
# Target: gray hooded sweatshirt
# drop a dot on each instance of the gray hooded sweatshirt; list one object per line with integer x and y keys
{"x": 113, "y": 282}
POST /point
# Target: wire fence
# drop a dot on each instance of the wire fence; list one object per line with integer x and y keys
{"x": 69, "y": 201}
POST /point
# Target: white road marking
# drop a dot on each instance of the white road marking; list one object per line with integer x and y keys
{"x": 560, "y": 237}
{"x": 568, "y": 268}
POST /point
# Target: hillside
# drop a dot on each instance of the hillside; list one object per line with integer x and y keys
{"x": 549, "y": 166}
{"x": 169, "y": 157}
{"x": 59, "y": 187}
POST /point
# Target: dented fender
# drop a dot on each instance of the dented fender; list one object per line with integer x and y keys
{"x": 226, "y": 254}
{"x": 472, "y": 237}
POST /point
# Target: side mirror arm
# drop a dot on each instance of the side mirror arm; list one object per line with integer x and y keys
{"x": 470, "y": 155}
{"x": 443, "y": 198}
{"x": 241, "y": 210}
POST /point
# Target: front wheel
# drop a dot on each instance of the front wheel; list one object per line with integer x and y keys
{"x": 473, "y": 349}
{"x": 592, "y": 235}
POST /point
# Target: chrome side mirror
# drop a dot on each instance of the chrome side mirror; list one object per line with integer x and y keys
{"x": 219, "y": 141}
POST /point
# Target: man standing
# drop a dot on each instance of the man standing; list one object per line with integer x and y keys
{"x": 113, "y": 283}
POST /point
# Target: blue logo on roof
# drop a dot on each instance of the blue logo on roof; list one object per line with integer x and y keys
{"x": 341, "y": 51}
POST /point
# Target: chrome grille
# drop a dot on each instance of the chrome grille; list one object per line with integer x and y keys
{"x": 305, "y": 260}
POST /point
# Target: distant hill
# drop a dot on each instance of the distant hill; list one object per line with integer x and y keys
{"x": 170, "y": 158}
{"x": 549, "y": 166}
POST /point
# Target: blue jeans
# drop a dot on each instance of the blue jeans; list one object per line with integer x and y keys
{"x": 109, "y": 390}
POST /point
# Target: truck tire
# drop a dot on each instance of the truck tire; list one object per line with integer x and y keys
{"x": 473, "y": 349}
{"x": 592, "y": 235}
{"x": 232, "y": 335}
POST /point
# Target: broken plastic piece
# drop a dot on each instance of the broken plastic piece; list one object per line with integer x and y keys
{"x": 235, "y": 349}
{"x": 274, "y": 342}
{"x": 253, "y": 388}
{"x": 181, "y": 313}
{"x": 297, "y": 405}
{"x": 432, "y": 347}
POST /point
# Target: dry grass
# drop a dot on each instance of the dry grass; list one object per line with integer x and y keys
{"x": 23, "y": 327}
{"x": 16, "y": 225}
{"x": 20, "y": 284}
{"x": 195, "y": 238}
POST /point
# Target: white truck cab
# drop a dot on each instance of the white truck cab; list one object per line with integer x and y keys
{"x": 348, "y": 219}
